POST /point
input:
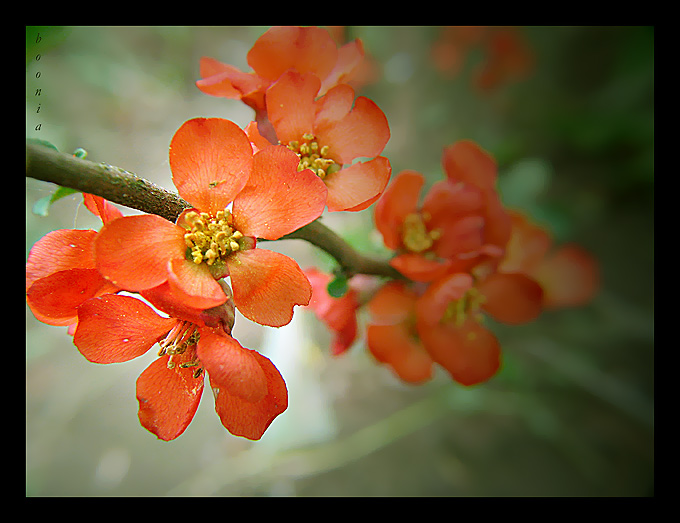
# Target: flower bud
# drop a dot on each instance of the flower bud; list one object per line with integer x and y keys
{"x": 223, "y": 316}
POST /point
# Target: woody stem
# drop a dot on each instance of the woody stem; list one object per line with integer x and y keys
{"x": 112, "y": 183}
{"x": 125, "y": 188}
{"x": 350, "y": 261}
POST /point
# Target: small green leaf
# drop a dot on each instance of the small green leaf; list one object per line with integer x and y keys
{"x": 45, "y": 143}
{"x": 41, "y": 207}
{"x": 337, "y": 287}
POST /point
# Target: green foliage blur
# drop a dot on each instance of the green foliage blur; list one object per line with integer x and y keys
{"x": 572, "y": 411}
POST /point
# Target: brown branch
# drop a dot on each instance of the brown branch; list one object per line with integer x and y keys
{"x": 112, "y": 183}
{"x": 125, "y": 188}
{"x": 349, "y": 260}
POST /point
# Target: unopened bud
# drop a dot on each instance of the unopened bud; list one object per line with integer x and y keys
{"x": 223, "y": 316}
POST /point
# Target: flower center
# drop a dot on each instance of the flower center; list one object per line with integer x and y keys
{"x": 211, "y": 237}
{"x": 469, "y": 305}
{"x": 313, "y": 156}
{"x": 414, "y": 233}
{"x": 183, "y": 336}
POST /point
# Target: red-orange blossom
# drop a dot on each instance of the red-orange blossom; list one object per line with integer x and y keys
{"x": 249, "y": 391}
{"x": 213, "y": 165}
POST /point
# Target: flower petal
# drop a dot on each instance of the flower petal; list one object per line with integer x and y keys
{"x": 168, "y": 398}
{"x": 169, "y": 300}
{"x": 335, "y": 312}
{"x": 419, "y": 268}
{"x": 305, "y": 49}
{"x": 570, "y": 277}
{"x": 219, "y": 85}
{"x": 339, "y": 314}
{"x": 465, "y": 161}
{"x": 234, "y": 369}
{"x": 344, "y": 338}
{"x": 219, "y": 79}
{"x": 461, "y": 236}
{"x": 251, "y": 419}
{"x": 527, "y": 247}
{"x": 399, "y": 200}
{"x": 447, "y": 199}
{"x": 358, "y": 184}
{"x": 350, "y": 60}
{"x": 498, "y": 224}
{"x": 393, "y": 303}
{"x": 58, "y": 251}
{"x": 210, "y": 67}
{"x": 470, "y": 353}
{"x": 100, "y": 207}
{"x": 114, "y": 328}
{"x": 211, "y": 160}
{"x": 508, "y": 57}
{"x": 290, "y": 105}
{"x": 256, "y": 139}
{"x": 267, "y": 285}
{"x": 195, "y": 284}
{"x": 394, "y": 346}
{"x": 363, "y": 132}
{"x": 432, "y": 305}
{"x": 333, "y": 106}
{"x": 511, "y": 298}
{"x": 54, "y": 299}
{"x": 133, "y": 252}
{"x": 278, "y": 198}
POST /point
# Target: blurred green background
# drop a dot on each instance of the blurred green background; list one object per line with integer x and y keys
{"x": 572, "y": 411}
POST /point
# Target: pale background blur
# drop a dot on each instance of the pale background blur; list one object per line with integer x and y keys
{"x": 571, "y": 412}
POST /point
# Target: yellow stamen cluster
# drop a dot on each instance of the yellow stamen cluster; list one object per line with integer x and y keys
{"x": 469, "y": 304}
{"x": 182, "y": 336}
{"x": 414, "y": 233}
{"x": 211, "y": 237}
{"x": 314, "y": 157}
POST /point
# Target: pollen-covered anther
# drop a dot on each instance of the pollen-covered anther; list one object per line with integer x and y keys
{"x": 211, "y": 237}
{"x": 210, "y": 256}
{"x": 313, "y": 156}
{"x": 193, "y": 363}
{"x": 415, "y": 235}
{"x": 467, "y": 306}
{"x": 182, "y": 336}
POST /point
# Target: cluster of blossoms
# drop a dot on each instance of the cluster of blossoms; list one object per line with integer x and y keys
{"x": 506, "y": 55}
{"x": 462, "y": 255}
{"x": 142, "y": 280}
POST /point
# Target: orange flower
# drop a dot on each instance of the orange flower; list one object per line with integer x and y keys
{"x": 249, "y": 391}
{"x": 466, "y": 162}
{"x": 569, "y": 275}
{"x": 506, "y": 54}
{"x": 61, "y": 272}
{"x": 452, "y": 46}
{"x": 450, "y": 320}
{"x": 413, "y": 328}
{"x": 363, "y": 68}
{"x": 508, "y": 57}
{"x": 460, "y": 223}
{"x": 428, "y": 237}
{"x": 339, "y": 314}
{"x": 303, "y": 49}
{"x": 392, "y": 336}
{"x": 329, "y": 134}
{"x": 213, "y": 164}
